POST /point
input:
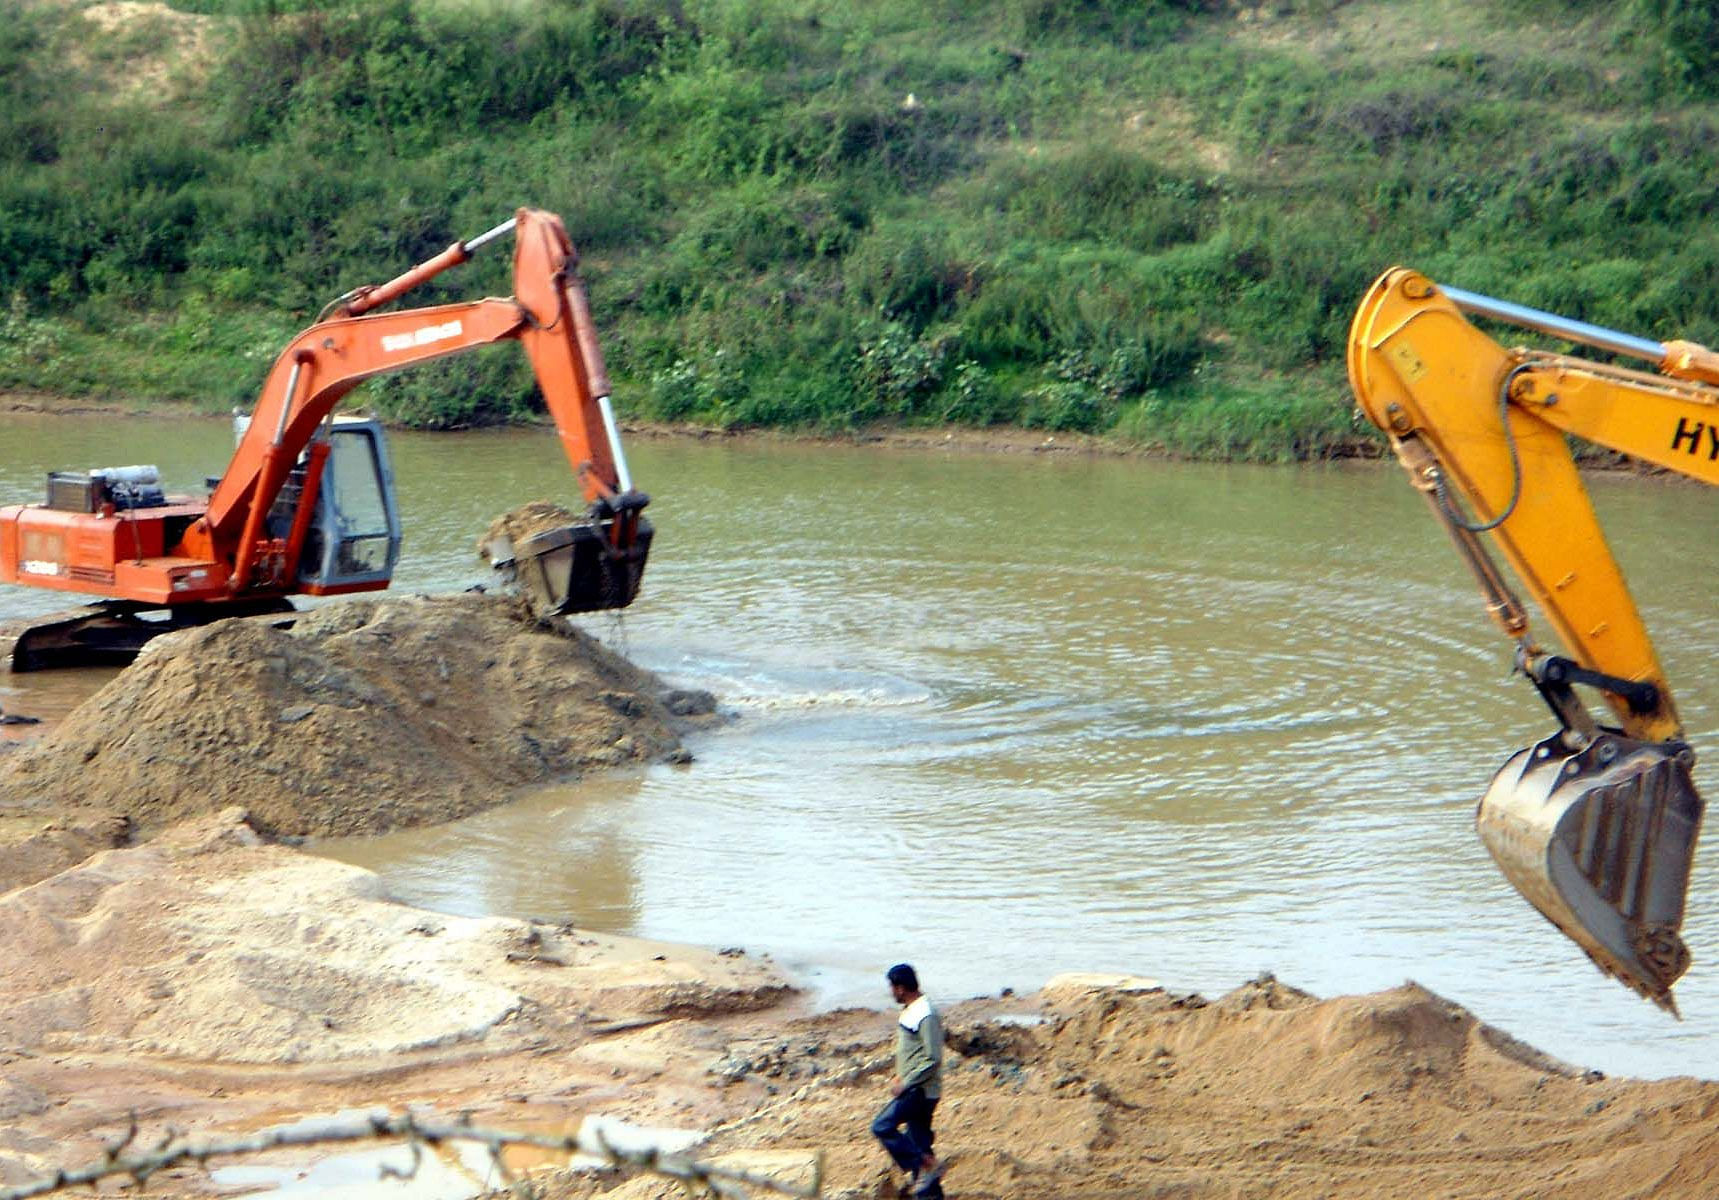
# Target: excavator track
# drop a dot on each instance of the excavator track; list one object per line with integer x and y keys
{"x": 110, "y": 633}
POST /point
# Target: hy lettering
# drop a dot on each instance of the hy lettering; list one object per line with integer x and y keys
{"x": 1691, "y": 434}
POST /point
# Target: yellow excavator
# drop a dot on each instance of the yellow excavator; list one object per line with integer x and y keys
{"x": 1596, "y": 825}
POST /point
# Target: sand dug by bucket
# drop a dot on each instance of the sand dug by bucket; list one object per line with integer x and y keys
{"x": 525, "y": 522}
{"x": 361, "y": 716}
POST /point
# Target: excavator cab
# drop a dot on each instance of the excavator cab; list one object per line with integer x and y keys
{"x": 354, "y": 538}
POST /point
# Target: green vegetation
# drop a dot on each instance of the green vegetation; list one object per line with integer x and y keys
{"x": 1150, "y": 218}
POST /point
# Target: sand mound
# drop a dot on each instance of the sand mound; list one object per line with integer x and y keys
{"x": 1266, "y": 1043}
{"x": 238, "y": 951}
{"x": 1134, "y": 1091}
{"x": 362, "y": 716}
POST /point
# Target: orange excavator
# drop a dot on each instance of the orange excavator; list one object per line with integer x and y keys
{"x": 1595, "y": 825}
{"x": 306, "y": 506}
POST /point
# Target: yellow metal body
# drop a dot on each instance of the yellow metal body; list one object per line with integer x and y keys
{"x": 1445, "y": 392}
{"x": 1424, "y": 374}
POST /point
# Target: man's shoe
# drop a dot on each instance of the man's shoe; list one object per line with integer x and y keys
{"x": 925, "y": 1181}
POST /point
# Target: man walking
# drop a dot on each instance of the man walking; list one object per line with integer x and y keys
{"x": 904, "y": 1125}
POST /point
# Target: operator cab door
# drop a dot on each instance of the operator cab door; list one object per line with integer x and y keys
{"x": 354, "y": 539}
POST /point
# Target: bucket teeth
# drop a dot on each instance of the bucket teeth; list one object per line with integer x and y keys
{"x": 1601, "y": 841}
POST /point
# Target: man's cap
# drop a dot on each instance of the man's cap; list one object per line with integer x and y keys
{"x": 903, "y": 975}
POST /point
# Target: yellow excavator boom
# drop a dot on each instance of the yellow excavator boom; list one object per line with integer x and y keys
{"x": 1596, "y": 826}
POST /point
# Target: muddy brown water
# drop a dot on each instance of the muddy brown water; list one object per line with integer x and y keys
{"x": 1008, "y": 715}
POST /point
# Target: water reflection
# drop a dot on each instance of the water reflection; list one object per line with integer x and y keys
{"x": 45, "y": 695}
{"x": 546, "y": 857}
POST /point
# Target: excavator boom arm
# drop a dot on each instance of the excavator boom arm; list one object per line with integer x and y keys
{"x": 547, "y": 314}
{"x": 1596, "y": 826}
{"x": 1487, "y": 424}
{"x": 325, "y": 362}
{"x": 1647, "y": 417}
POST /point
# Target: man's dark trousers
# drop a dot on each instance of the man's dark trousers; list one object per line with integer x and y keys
{"x": 904, "y": 1128}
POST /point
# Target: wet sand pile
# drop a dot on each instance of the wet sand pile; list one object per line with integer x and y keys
{"x": 238, "y": 951}
{"x": 361, "y": 716}
{"x": 1135, "y": 1092}
{"x": 210, "y": 983}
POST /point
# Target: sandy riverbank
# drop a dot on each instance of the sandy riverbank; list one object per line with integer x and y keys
{"x": 177, "y": 950}
{"x": 998, "y": 439}
{"x": 214, "y": 983}
{"x": 994, "y": 439}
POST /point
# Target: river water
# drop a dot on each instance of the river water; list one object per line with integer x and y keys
{"x": 1010, "y": 715}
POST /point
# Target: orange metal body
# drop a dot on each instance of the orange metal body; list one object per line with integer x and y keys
{"x": 192, "y": 551}
{"x": 120, "y": 555}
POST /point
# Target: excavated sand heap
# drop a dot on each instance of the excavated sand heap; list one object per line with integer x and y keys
{"x": 526, "y": 521}
{"x": 1125, "y": 1093}
{"x": 361, "y": 716}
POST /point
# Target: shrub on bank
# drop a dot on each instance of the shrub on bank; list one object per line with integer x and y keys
{"x": 1147, "y": 219}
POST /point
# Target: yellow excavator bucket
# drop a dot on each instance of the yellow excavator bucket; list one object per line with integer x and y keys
{"x": 1601, "y": 841}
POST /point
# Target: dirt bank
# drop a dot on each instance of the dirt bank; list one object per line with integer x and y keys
{"x": 356, "y": 717}
{"x": 242, "y": 952}
{"x": 992, "y": 439}
{"x": 1128, "y": 1090}
{"x": 213, "y": 983}
{"x": 958, "y": 439}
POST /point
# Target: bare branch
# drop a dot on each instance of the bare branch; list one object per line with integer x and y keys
{"x": 594, "y": 1137}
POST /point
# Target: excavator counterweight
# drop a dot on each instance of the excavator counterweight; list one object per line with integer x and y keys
{"x": 1596, "y": 825}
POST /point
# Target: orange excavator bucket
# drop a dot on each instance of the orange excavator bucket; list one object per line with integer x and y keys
{"x": 1601, "y": 841}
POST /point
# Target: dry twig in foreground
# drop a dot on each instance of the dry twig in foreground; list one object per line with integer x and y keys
{"x": 610, "y": 1141}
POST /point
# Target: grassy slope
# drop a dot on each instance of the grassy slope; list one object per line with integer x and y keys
{"x": 1148, "y": 219}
